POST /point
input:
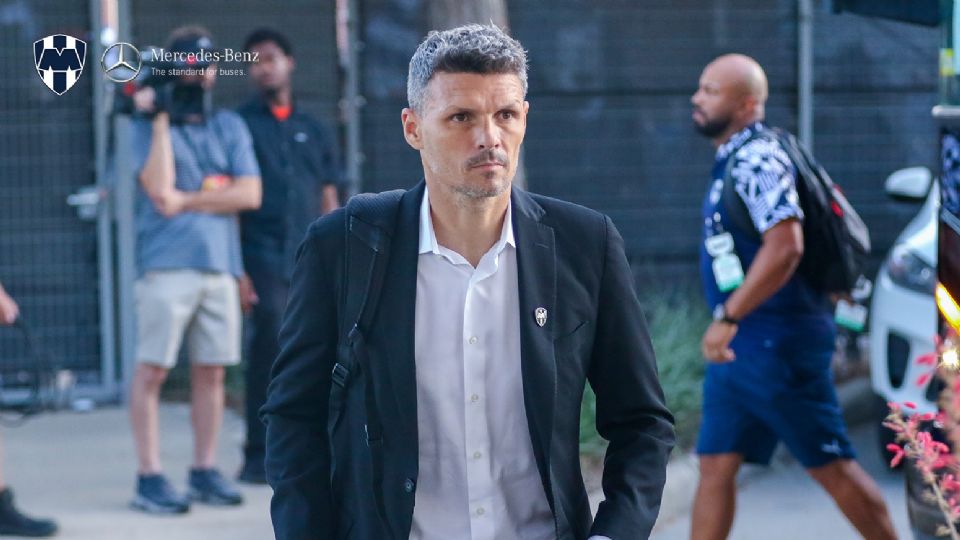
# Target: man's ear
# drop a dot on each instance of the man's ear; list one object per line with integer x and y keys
{"x": 411, "y": 128}
{"x": 748, "y": 105}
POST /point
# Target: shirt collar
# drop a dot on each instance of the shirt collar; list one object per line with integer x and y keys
{"x": 738, "y": 139}
{"x": 428, "y": 236}
{"x": 263, "y": 104}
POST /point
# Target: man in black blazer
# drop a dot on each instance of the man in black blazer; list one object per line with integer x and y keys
{"x": 457, "y": 416}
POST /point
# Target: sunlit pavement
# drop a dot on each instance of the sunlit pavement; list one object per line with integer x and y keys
{"x": 784, "y": 503}
{"x": 80, "y": 469}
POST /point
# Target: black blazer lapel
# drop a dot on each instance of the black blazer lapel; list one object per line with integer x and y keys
{"x": 537, "y": 287}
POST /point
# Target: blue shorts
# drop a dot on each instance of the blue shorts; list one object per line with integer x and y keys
{"x": 779, "y": 388}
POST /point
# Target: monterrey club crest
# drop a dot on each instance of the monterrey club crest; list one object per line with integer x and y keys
{"x": 59, "y": 60}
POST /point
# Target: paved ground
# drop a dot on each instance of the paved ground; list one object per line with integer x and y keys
{"x": 79, "y": 468}
{"x": 785, "y": 504}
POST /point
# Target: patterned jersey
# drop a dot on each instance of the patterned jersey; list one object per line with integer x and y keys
{"x": 765, "y": 179}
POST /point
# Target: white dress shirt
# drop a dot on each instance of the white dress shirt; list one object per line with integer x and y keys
{"x": 478, "y": 477}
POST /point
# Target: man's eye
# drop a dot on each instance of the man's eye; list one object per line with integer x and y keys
{"x": 508, "y": 115}
{"x": 459, "y": 117}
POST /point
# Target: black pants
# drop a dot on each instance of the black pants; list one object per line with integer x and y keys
{"x": 272, "y": 289}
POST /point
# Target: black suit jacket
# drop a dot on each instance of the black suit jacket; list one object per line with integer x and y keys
{"x": 570, "y": 260}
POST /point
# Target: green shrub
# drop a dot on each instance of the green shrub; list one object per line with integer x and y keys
{"x": 676, "y": 321}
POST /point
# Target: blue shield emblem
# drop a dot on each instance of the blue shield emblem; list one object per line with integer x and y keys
{"x": 59, "y": 60}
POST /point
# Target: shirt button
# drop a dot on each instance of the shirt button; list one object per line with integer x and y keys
{"x": 481, "y": 511}
{"x": 474, "y": 398}
{"x": 473, "y": 340}
{"x": 409, "y": 485}
{"x": 477, "y": 455}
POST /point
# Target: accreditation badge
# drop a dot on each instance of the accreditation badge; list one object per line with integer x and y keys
{"x": 727, "y": 270}
{"x": 850, "y": 315}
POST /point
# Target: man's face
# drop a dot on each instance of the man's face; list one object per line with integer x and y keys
{"x": 714, "y": 103}
{"x": 272, "y": 70}
{"x": 469, "y": 131}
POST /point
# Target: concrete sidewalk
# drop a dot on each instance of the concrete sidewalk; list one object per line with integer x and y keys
{"x": 79, "y": 468}
{"x": 857, "y": 402}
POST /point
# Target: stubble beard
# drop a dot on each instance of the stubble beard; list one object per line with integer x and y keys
{"x": 713, "y": 128}
{"x": 476, "y": 193}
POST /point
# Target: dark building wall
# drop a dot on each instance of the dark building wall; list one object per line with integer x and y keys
{"x": 610, "y": 127}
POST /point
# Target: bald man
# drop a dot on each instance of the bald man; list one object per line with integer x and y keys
{"x": 771, "y": 341}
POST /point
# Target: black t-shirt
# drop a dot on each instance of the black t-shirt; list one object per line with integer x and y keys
{"x": 298, "y": 157}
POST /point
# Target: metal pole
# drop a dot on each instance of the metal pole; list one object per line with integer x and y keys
{"x": 349, "y": 43}
{"x": 124, "y": 194}
{"x": 805, "y": 72}
{"x": 101, "y": 14}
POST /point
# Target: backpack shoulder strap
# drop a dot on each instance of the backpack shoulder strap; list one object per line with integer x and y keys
{"x": 370, "y": 223}
{"x": 370, "y": 220}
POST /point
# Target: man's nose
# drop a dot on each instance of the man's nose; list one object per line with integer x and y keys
{"x": 488, "y": 135}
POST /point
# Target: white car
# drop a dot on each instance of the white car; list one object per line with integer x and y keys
{"x": 903, "y": 313}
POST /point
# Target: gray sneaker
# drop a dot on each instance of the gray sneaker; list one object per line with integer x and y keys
{"x": 155, "y": 495}
{"x": 211, "y": 487}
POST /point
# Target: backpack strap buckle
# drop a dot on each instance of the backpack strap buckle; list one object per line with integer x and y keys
{"x": 340, "y": 374}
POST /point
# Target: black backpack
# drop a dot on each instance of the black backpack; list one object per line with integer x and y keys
{"x": 836, "y": 242}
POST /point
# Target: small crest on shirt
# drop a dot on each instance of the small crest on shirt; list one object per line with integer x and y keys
{"x": 541, "y": 315}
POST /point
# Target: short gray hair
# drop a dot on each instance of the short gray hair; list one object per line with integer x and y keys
{"x": 472, "y": 48}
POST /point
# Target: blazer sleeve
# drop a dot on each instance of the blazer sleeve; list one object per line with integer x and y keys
{"x": 297, "y": 453}
{"x": 631, "y": 413}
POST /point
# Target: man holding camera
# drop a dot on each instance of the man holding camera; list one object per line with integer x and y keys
{"x": 196, "y": 169}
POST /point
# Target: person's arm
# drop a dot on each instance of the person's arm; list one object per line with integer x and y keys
{"x": 243, "y": 193}
{"x": 331, "y": 170}
{"x": 329, "y": 200}
{"x": 9, "y": 310}
{"x": 296, "y": 410}
{"x": 771, "y": 269}
{"x": 774, "y": 265}
{"x": 158, "y": 175}
{"x": 631, "y": 412}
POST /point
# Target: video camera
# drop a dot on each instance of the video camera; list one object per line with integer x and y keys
{"x": 176, "y": 74}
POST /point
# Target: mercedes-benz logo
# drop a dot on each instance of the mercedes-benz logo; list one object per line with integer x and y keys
{"x": 124, "y": 62}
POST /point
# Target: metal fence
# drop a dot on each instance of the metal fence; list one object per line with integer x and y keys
{"x": 48, "y": 257}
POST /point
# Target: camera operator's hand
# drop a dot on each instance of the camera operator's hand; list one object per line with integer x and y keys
{"x": 170, "y": 202}
{"x": 9, "y": 311}
{"x": 145, "y": 99}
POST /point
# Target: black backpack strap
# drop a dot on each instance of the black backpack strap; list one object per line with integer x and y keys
{"x": 370, "y": 221}
{"x": 369, "y": 225}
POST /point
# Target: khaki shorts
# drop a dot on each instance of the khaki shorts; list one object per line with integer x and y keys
{"x": 201, "y": 307}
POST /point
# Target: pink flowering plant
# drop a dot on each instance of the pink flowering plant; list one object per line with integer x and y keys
{"x": 938, "y": 465}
